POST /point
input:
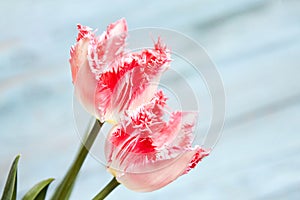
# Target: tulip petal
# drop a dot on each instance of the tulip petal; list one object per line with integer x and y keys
{"x": 84, "y": 89}
{"x": 79, "y": 51}
{"x": 89, "y": 57}
{"x": 83, "y": 79}
{"x": 132, "y": 82}
{"x": 104, "y": 49}
{"x": 178, "y": 131}
{"x": 147, "y": 182}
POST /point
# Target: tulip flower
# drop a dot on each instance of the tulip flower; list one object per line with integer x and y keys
{"x": 107, "y": 80}
{"x": 145, "y": 152}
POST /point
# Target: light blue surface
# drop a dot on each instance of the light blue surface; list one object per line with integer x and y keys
{"x": 255, "y": 44}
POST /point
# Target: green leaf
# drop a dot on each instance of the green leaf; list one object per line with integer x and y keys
{"x": 38, "y": 192}
{"x": 10, "y": 189}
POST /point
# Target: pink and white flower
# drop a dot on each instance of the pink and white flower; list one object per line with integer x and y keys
{"x": 145, "y": 152}
{"x": 107, "y": 80}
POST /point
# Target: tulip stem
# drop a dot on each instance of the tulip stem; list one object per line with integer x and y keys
{"x": 64, "y": 189}
{"x": 107, "y": 190}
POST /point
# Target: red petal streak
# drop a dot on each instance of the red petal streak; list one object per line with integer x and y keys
{"x": 125, "y": 144}
{"x": 84, "y": 32}
{"x": 198, "y": 156}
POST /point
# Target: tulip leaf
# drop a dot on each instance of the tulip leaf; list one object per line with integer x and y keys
{"x": 10, "y": 189}
{"x": 38, "y": 192}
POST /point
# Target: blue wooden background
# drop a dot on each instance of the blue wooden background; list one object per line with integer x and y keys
{"x": 255, "y": 45}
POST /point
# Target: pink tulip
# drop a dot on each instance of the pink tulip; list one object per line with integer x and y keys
{"x": 144, "y": 152}
{"x": 107, "y": 80}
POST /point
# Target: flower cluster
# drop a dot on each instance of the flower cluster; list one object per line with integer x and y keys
{"x": 149, "y": 146}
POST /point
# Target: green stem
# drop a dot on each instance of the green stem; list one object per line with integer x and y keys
{"x": 107, "y": 190}
{"x": 64, "y": 189}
